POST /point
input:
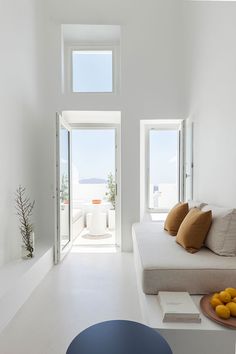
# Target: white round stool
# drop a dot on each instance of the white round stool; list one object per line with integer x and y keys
{"x": 96, "y": 221}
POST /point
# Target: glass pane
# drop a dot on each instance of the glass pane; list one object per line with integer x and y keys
{"x": 92, "y": 71}
{"x": 163, "y": 168}
{"x": 64, "y": 187}
{"x": 188, "y": 160}
{"x": 93, "y": 163}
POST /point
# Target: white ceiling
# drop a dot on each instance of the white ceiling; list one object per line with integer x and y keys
{"x": 91, "y": 33}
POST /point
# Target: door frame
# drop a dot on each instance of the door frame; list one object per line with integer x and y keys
{"x": 156, "y": 126}
{"x": 188, "y": 165}
{"x": 116, "y": 127}
{"x": 60, "y": 253}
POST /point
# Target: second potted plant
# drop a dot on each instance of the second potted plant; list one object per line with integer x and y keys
{"x": 111, "y": 197}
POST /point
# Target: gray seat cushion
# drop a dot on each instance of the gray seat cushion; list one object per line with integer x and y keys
{"x": 164, "y": 265}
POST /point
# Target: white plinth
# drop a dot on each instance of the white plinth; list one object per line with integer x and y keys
{"x": 96, "y": 221}
{"x": 18, "y": 280}
{"x": 206, "y": 337}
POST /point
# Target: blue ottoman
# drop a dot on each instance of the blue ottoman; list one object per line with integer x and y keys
{"x": 119, "y": 337}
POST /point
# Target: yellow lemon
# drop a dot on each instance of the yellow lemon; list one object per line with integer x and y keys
{"x": 215, "y": 302}
{"x": 232, "y": 308}
{"x": 216, "y": 295}
{"x": 222, "y": 311}
{"x": 225, "y": 296}
{"x": 234, "y": 299}
{"x": 232, "y": 291}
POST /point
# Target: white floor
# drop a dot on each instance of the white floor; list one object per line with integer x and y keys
{"x": 84, "y": 289}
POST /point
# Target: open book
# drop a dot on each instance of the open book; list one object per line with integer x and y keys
{"x": 178, "y": 307}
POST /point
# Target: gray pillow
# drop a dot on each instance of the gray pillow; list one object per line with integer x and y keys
{"x": 221, "y": 238}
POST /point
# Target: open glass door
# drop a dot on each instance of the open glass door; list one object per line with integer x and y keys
{"x": 163, "y": 168}
{"x": 188, "y": 159}
{"x": 63, "y": 239}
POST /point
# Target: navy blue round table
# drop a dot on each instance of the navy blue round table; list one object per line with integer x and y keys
{"x": 119, "y": 337}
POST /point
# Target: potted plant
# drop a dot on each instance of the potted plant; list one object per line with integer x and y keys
{"x": 24, "y": 208}
{"x": 111, "y": 197}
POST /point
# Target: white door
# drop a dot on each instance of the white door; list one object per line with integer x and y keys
{"x": 63, "y": 236}
{"x": 188, "y": 159}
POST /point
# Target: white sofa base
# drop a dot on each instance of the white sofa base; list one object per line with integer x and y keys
{"x": 206, "y": 337}
{"x": 162, "y": 264}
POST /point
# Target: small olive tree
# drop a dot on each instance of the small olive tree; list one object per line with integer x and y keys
{"x": 111, "y": 193}
{"x": 24, "y": 208}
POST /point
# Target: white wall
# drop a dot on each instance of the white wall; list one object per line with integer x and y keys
{"x": 154, "y": 66}
{"x": 151, "y": 76}
{"x": 23, "y": 129}
{"x": 212, "y": 99}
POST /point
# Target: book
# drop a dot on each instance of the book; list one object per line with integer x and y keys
{"x": 178, "y": 307}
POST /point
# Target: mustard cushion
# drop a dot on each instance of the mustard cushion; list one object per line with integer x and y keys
{"x": 175, "y": 217}
{"x": 194, "y": 229}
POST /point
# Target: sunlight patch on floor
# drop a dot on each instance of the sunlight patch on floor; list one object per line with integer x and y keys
{"x": 95, "y": 249}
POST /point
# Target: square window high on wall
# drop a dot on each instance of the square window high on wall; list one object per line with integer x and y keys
{"x": 92, "y": 71}
{"x": 91, "y": 59}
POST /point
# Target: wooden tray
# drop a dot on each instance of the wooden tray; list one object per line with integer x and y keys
{"x": 209, "y": 312}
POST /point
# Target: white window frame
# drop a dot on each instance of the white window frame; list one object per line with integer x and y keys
{"x": 68, "y": 70}
{"x": 167, "y": 126}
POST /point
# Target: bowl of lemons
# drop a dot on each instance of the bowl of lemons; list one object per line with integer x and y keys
{"x": 221, "y": 307}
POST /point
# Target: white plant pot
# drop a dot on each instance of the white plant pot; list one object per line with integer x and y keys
{"x": 111, "y": 219}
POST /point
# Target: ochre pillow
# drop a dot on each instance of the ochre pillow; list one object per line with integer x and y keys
{"x": 175, "y": 217}
{"x": 194, "y": 229}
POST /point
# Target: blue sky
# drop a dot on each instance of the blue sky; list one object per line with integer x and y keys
{"x": 92, "y": 71}
{"x": 163, "y": 159}
{"x": 93, "y": 152}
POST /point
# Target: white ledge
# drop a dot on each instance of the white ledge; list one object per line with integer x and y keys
{"x": 18, "y": 279}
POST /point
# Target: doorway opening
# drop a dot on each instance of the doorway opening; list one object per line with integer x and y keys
{"x": 88, "y": 182}
{"x": 94, "y": 185}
